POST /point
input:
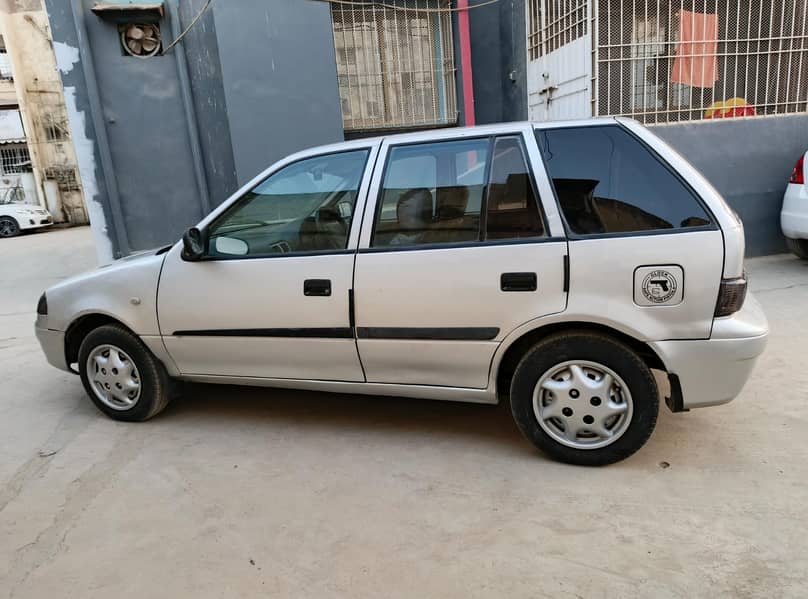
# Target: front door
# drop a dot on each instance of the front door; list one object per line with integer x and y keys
{"x": 454, "y": 257}
{"x": 271, "y": 298}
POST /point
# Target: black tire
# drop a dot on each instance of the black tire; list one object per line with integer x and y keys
{"x": 590, "y": 347}
{"x": 798, "y": 247}
{"x": 9, "y": 227}
{"x": 156, "y": 387}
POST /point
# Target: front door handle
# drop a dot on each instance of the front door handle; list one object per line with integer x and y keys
{"x": 317, "y": 287}
{"x": 518, "y": 281}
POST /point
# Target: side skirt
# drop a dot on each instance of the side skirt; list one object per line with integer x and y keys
{"x": 415, "y": 391}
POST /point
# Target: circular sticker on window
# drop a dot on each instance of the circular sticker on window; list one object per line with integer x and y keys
{"x": 659, "y": 286}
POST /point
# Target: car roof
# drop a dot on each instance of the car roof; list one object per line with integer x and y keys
{"x": 444, "y": 132}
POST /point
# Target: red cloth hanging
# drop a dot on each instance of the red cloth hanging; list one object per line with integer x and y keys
{"x": 696, "y": 63}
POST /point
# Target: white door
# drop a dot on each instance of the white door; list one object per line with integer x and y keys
{"x": 455, "y": 255}
{"x": 271, "y": 298}
{"x": 559, "y": 67}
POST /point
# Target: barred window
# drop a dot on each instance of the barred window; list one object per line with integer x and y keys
{"x": 553, "y": 24}
{"x": 671, "y": 60}
{"x": 395, "y": 66}
{"x": 14, "y": 158}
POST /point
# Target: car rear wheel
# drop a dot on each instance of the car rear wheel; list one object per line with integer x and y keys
{"x": 8, "y": 227}
{"x": 584, "y": 398}
{"x": 798, "y": 247}
{"x": 121, "y": 376}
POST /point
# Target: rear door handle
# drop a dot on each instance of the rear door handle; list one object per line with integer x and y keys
{"x": 317, "y": 287}
{"x": 518, "y": 281}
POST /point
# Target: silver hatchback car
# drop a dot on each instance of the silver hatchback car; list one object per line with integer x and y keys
{"x": 554, "y": 265}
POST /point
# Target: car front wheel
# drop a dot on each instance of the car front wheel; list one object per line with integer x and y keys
{"x": 584, "y": 398}
{"x": 121, "y": 376}
{"x": 8, "y": 227}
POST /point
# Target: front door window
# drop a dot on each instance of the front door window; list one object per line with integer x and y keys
{"x": 306, "y": 206}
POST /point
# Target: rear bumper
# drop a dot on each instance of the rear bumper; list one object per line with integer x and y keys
{"x": 794, "y": 215}
{"x": 53, "y": 345}
{"x": 714, "y": 371}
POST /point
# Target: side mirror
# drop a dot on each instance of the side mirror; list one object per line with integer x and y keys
{"x": 193, "y": 245}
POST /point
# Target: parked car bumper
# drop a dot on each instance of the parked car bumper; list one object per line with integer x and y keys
{"x": 53, "y": 344}
{"x": 35, "y": 221}
{"x": 794, "y": 215}
{"x": 714, "y": 371}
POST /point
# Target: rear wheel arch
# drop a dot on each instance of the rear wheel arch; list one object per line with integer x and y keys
{"x": 519, "y": 347}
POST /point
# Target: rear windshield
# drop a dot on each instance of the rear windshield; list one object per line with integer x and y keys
{"x": 607, "y": 181}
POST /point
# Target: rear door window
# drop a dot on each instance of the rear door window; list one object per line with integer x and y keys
{"x": 607, "y": 181}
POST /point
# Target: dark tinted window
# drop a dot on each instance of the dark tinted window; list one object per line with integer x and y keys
{"x": 432, "y": 194}
{"x": 513, "y": 210}
{"x": 608, "y": 182}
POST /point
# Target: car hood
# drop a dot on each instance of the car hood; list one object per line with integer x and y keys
{"x": 125, "y": 290}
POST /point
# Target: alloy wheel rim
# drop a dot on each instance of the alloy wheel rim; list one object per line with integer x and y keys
{"x": 113, "y": 377}
{"x": 6, "y": 228}
{"x": 582, "y": 404}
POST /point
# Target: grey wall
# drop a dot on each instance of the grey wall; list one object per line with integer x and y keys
{"x": 498, "y": 59}
{"x": 749, "y": 162}
{"x": 148, "y": 138}
{"x": 280, "y": 79}
{"x": 205, "y": 72}
{"x": 169, "y": 138}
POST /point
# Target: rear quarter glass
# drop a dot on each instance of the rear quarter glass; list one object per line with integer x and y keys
{"x": 608, "y": 182}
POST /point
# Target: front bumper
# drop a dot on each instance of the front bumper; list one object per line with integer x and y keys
{"x": 714, "y": 371}
{"x": 34, "y": 221}
{"x": 53, "y": 344}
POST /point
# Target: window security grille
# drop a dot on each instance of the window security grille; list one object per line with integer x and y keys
{"x": 667, "y": 61}
{"x": 395, "y": 67}
{"x": 553, "y": 24}
{"x": 14, "y": 159}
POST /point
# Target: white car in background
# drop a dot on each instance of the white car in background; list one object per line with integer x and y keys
{"x": 794, "y": 215}
{"x": 15, "y": 216}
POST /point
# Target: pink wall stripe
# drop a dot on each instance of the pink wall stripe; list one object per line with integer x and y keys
{"x": 465, "y": 61}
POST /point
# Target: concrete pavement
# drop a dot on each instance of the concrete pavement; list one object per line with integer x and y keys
{"x": 249, "y": 492}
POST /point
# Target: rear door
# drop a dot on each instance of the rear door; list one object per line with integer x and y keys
{"x": 646, "y": 253}
{"x": 455, "y": 253}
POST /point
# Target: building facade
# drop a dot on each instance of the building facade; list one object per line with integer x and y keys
{"x": 37, "y": 158}
{"x": 165, "y": 131}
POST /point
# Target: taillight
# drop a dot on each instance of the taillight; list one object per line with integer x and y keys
{"x": 731, "y": 296}
{"x": 798, "y": 174}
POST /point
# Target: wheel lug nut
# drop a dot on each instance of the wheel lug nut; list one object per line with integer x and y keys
{"x": 595, "y": 401}
{"x": 103, "y": 371}
{"x": 574, "y": 393}
{"x": 588, "y": 419}
{"x": 115, "y": 371}
{"x": 567, "y": 412}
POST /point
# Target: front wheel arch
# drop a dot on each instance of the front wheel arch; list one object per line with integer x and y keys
{"x": 80, "y": 328}
{"x": 518, "y": 348}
